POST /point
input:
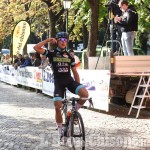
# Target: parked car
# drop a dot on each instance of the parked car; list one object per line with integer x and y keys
{"x": 80, "y": 47}
{"x": 5, "y": 51}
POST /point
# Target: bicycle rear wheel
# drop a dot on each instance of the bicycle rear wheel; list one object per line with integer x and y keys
{"x": 77, "y": 132}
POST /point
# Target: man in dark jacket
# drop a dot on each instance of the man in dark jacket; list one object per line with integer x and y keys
{"x": 27, "y": 61}
{"x": 129, "y": 24}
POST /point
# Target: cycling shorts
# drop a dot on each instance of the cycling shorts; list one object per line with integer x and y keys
{"x": 60, "y": 84}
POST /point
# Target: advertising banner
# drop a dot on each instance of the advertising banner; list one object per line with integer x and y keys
{"x": 8, "y": 74}
{"x": 20, "y": 37}
{"x": 95, "y": 81}
{"x": 1, "y": 73}
{"x": 30, "y": 76}
{"x": 48, "y": 81}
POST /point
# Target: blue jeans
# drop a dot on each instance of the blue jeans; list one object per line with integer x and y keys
{"x": 127, "y": 40}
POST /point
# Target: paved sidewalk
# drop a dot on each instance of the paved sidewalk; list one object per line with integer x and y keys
{"x": 27, "y": 122}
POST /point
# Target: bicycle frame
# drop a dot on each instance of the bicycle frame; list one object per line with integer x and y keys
{"x": 73, "y": 126}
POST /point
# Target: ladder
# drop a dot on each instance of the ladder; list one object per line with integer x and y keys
{"x": 117, "y": 42}
{"x": 144, "y": 83}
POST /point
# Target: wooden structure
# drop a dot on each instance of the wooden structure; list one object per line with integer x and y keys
{"x": 138, "y": 66}
{"x": 131, "y": 64}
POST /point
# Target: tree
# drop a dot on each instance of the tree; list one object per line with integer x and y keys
{"x": 93, "y": 34}
{"x": 143, "y": 9}
{"x": 55, "y": 10}
{"x": 47, "y": 15}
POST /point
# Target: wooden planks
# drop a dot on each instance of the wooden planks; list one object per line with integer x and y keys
{"x": 124, "y": 64}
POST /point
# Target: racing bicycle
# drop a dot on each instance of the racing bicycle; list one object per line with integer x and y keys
{"x": 73, "y": 125}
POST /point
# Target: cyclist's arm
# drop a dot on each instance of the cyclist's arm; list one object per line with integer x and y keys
{"x": 75, "y": 74}
{"x": 38, "y": 47}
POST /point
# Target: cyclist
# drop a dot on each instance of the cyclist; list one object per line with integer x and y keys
{"x": 62, "y": 62}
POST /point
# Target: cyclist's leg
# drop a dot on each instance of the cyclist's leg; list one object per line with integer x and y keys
{"x": 58, "y": 118}
{"x": 80, "y": 90}
{"x": 83, "y": 93}
{"x": 58, "y": 105}
{"x": 58, "y": 95}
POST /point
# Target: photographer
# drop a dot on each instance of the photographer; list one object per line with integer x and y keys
{"x": 129, "y": 24}
{"x": 115, "y": 32}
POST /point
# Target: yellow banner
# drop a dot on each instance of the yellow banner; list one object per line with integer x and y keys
{"x": 20, "y": 37}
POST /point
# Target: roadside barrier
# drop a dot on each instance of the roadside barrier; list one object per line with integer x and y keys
{"x": 95, "y": 81}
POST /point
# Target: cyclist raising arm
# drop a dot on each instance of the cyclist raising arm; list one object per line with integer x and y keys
{"x": 62, "y": 62}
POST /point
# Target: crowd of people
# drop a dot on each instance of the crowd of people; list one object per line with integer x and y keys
{"x": 33, "y": 59}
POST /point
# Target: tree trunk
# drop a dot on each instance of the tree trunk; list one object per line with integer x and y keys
{"x": 93, "y": 34}
{"x": 85, "y": 36}
{"x": 52, "y": 24}
{"x": 53, "y": 19}
{"x": 1, "y": 45}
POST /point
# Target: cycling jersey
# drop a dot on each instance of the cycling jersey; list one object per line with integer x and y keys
{"x": 61, "y": 62}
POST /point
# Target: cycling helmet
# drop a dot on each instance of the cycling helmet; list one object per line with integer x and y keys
{"x": 61, "y": 35}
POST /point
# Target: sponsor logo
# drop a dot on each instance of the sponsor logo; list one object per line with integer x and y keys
{"x": 56, "y": 59}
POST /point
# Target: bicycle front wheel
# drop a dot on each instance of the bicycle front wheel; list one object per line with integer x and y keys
{"x": 77, "y": 132}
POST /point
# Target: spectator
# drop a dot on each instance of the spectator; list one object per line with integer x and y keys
{"x": 7, "y": 60}
{"x": 44, "y": 62}
{"x": 77, "y": 60}
{"x": 35, "y": 60}
{"x": 1, "y": 57}
{"x": 21, "y": 60}
{"x": 18, "y": 60}
{"x": 27, "y": 61}
{"x": 129, "y": 24}
{"x": 15, "y": 59}
{"x": 15, "y": 62}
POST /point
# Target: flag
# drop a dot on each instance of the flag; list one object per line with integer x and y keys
{"x": 20, "y": 36}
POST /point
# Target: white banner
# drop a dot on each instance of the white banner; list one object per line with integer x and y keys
{"x": 30, "y": 76}
{"x": 96, "y": 82}
{"x": 8, "y": 74}
{"x": 48, "y": 81}
{"x": 1, "y": 73}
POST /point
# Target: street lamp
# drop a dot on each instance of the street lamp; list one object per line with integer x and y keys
{"x": 67, "y": 5}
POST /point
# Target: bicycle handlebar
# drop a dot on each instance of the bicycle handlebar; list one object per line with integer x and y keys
{"x": 78, "y": 99}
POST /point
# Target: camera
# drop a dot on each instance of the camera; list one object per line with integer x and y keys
{"x": 113, "y": 6}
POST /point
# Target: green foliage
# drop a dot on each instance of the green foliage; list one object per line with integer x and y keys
{"x": 82, "y": 14}
{"x": 36, "y": 13}
{"x": 143, "y": 24}
{"x": 7, "y": 42}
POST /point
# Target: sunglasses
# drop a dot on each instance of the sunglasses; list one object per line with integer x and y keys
{"x": 62, "y": 39}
